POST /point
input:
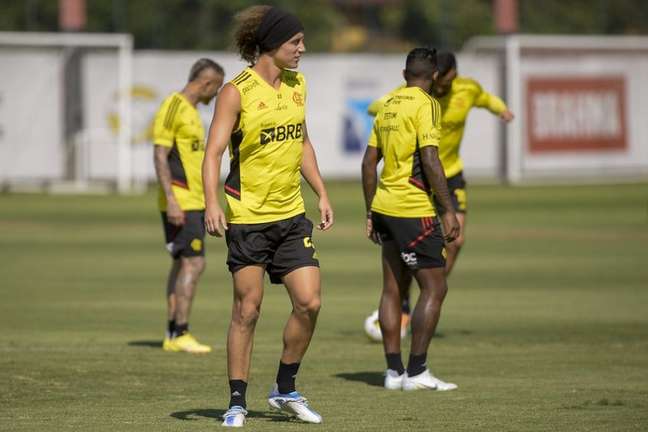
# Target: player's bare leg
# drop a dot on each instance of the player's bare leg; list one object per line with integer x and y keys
{"x": 303, "y": 286}
{"x": 425, "y": 318}
{"x": 246, "y": 307}
{"x": 248, "y": 295}
{"x": 187, "y": 276}
{"x": 390, "y": 300}
{"x": 186, "y": 282}
{"x": 390, "y": 311}
{"x": 427, "y": 311}
{"x": 454, "y": 247}
{"x": 170, "y": 290}
{"x": 171, "y": 304}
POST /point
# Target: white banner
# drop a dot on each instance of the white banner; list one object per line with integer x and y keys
{"x": 583, "y": 115}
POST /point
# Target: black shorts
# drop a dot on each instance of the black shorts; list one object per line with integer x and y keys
{"x": 186, "y": 240}
{"x": 457, "y": 192}
{"x": 420, "y": 241}
{"x": 281, "y": 246}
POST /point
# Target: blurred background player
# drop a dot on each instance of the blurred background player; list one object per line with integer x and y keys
{"x": 457, "y": 96}
{"x": 401, "y": 217}
{"x": 261, "y": 114}
{"x": 179, "y": 139}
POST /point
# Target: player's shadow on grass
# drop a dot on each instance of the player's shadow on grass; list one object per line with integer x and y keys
{"x": 195, "y": 414}
{"x": 146, "y": 343}
{"x": 371, "y": 378}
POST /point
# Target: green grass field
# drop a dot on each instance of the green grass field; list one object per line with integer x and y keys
{"x": 545, "y": 327}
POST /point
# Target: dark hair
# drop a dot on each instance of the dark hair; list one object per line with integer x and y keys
{"x": 247, "y": 22}
{"x": 420, "y": 62}
{"x": 446, "y": 61}
{"x": 201, "y": 65}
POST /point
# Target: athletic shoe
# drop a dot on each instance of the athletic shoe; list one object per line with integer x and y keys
{"x": 234, "y": 417}
{"x": 426, "y": 381}
{"x": 167, "y": 344}
{"x": 293, "y": 404}
{"x": 188, "y": 343}
{"x": 393, "y": 381}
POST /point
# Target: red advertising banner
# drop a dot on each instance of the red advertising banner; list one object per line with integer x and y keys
{"x": 576, "y": 114}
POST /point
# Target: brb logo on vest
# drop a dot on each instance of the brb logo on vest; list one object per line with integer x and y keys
{"x": 281, "y": 133}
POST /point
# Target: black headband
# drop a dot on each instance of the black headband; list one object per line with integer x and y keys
{"x": 276, "y": 28}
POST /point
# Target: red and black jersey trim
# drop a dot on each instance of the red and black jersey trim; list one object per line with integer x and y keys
{"x": 417, "y": 177}
{"x": 178, "y": 174}
{"x": 233, "y": 181}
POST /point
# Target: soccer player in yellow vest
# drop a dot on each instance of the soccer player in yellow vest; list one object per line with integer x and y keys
{"x": 179, "y": 139}
{"x": 401, "y": 216}
{"x": 261, "y": 114}
{"x": 457, "y": 96}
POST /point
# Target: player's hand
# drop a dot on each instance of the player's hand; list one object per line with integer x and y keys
{"x": 371, "y": 234}
{"x": 175, "y": 215}
{"x": 215, "y": 222}
{"x": 326, "y": 214}
{"x": 507, "y": 116}
{"x": 451, "y": 227}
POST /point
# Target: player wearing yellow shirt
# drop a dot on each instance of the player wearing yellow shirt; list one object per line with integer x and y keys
{"x": 457, "y": 96}
{"x": 402, "y": 217}
{"x": 179, "y": 149}
{"x": 261, "y": 115}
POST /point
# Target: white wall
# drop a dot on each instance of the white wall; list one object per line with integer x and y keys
{"x": 31, "y": 129}
{"x": 339, "y": 88}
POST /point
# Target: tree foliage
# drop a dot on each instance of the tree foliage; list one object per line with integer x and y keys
{"x": 386, "y": 24}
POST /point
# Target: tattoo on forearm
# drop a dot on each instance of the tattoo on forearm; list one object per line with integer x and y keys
{"x": 435, "y": 176}
{"x": 163, "y": 171}
{"x": 369, "y": 188}
{"x": 369, "y": 177}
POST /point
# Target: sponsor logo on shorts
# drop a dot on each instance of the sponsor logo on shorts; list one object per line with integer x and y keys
{"x": 409, "y": 258}
{"x": 308, "y": 244}
{"x": 460, "y": 194}
{"x": 196, "y": 245}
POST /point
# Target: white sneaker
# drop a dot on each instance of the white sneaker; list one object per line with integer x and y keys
{"x": 293, "y": 404}
{"x": 234, "y": 417}
{"x": 393, "y": 381}
{"x": 426, "y": 381}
